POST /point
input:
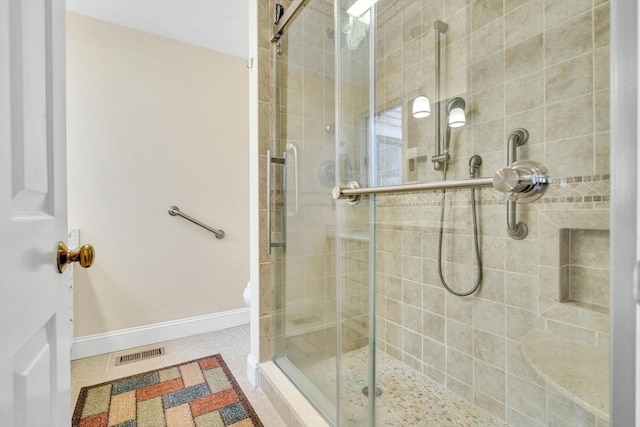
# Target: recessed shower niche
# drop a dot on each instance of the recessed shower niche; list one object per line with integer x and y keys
{"x": 574, "y": 259}
{"x": 584, "y": 267}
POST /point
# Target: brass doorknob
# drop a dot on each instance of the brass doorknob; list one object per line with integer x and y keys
{"x": 84, "y": 256}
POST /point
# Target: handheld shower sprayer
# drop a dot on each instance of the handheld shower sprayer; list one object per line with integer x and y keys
{"x": 474, "y": 164}
{"x": 456, "y": 116}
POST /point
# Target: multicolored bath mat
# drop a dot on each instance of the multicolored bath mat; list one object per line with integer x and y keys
{"x": 198, "y": 393}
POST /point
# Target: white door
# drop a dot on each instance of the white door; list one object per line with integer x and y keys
{"x": 35, "y": 336}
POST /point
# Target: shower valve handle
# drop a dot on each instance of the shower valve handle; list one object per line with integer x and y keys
{"x": 524, "y": 181}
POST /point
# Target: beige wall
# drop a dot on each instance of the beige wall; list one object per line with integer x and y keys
{"x": 151, "y": 123}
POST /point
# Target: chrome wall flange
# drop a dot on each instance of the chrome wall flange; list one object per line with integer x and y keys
{"x": 520, "y": 137}
{"x": 525, "y": 181}
{"x": 519, "y": 231}
{"x": 353, "y": 199}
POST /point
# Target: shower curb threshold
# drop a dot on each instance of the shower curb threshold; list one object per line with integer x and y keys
{"x": 292, "y": 406}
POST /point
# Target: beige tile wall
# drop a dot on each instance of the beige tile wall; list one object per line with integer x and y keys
{"x": 538, "y": 64}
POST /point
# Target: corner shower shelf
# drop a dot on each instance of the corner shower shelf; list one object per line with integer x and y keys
{"x": 579, "y": 371}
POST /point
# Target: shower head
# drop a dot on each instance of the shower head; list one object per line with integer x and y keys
{"x": 455, "y": 112}
{"x": 474, "y": 164}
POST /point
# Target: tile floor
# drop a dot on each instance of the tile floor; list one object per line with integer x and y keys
{"x": 232, "y": 344}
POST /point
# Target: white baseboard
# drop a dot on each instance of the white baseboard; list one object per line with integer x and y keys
{"x": 92, "y": 345}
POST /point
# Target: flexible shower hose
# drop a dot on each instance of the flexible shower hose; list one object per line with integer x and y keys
{"x": 476, "y": 246}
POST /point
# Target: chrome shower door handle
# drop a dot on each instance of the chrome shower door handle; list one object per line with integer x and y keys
{"x": 294, "y": 149}
{"x": 268, "y": 201}
{"x": 270, "y": 161}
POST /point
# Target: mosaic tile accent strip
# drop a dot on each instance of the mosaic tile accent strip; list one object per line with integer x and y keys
{"x": 198, "y": 393}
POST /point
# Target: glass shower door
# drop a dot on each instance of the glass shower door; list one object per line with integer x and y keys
{"x": 303, "y": 172}
{"x": 355, "y": 237}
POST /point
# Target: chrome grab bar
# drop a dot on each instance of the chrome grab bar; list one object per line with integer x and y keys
{"x": 174, "y": 210}
{"x": 516, "y": 230}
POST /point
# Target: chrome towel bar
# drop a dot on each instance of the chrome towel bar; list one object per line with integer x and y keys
{"x": 352, "y": 192}
{"x": 524, "y": 181}
{"x": 174, "y": 210}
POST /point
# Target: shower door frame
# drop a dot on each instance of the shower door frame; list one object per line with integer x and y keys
{"x": 625, "y": 222}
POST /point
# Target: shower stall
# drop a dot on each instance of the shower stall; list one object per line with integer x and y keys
{"x": 437, "y": 209}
